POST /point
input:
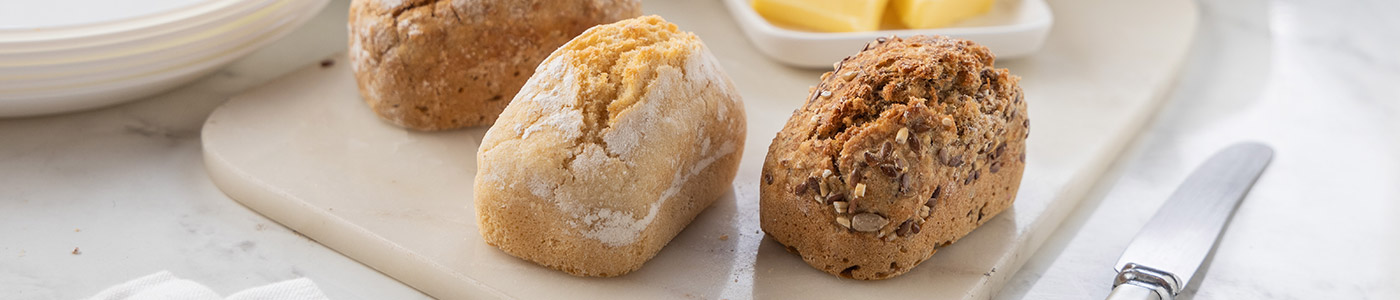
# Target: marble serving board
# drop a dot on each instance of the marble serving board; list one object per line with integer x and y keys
{"x": 306, "y": 152}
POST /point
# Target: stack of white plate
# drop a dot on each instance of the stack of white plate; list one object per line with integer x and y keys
{"x": 59, "y": 56}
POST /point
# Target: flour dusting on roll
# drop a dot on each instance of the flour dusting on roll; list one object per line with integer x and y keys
{"x": 622, "y": 136}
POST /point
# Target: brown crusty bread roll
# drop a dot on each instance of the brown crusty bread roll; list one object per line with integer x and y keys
{"x": 617, "y": 142}
{"x": 440, "y": 64}
{"x": 906, "y": 147}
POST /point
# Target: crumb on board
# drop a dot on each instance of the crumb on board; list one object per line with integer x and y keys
{"x": 724, "y": 237}
{"x": 77, "y": 230}
{"x": 76, "y": 251}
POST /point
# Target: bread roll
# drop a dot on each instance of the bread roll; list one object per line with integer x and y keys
{"x": 618, "y": 141}
{"x": 906, "y": 147}
{"x": 440, "y": 64}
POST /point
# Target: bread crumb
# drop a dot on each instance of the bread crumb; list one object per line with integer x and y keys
{"x": 724, "y": 237}
{"x": 76, "y": 251}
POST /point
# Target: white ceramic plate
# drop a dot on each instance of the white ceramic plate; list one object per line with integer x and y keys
{"x": 87, "y": 43}
{"x": 25, "y": 15}
{"x": 180, "y": 50}
{"x": 22, "y": 101}
{"x": 1012, "y": 28}
{"x": 110, "y": 23}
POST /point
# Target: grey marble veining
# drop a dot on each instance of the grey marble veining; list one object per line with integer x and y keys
{"x": 1318, "y": 80}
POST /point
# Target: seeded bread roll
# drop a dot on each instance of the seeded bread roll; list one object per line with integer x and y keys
{"x": 617, "y": 142}
{"x": 906, "y": 147}
{"x": 440, "y": 64}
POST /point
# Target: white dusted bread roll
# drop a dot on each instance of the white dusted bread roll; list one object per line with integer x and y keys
{"x": 620, "y": 138}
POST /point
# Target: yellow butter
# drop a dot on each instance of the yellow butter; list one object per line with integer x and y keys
{"x": 823, "y": 15}
{"x": 937, "y": 13}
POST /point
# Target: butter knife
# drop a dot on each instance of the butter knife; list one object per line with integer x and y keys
{"x": 1165, "y": 254}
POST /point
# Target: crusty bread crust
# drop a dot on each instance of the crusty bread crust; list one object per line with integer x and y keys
{"x": 907, "y": 146}
{"x": 445, "y": 64}
{"x": 617, "y": 142}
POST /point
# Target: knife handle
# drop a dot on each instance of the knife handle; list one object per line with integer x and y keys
{"x": 1142, "y": 282}
{"x": 1134, "y": 292}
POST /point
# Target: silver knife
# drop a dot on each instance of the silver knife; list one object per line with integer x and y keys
{"x": 1168, "y": 250}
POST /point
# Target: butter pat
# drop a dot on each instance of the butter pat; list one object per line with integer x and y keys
{"x": 824, "y": 15}
{"x": 921, "y": 14}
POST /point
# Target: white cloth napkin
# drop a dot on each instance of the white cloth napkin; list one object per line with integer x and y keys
{"x": 162, "y": 285}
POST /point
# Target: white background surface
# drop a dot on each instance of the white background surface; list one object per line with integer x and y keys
{"x": 1318, "y": 80}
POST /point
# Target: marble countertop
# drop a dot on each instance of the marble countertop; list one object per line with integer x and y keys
{"x": 124, "y": 187}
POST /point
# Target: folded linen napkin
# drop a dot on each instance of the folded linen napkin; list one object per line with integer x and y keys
{"x": 163, "y": 285}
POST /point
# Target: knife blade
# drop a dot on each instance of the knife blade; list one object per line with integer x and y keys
{"x": 1168, "y": 250}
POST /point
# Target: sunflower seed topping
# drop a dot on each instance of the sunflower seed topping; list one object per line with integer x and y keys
{"x": 868, "y": 222}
